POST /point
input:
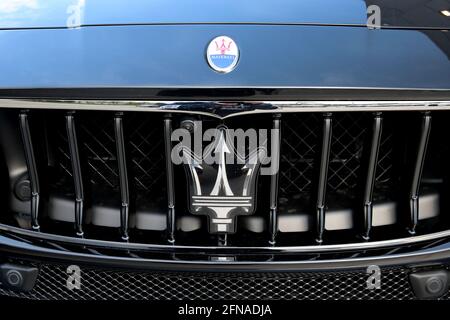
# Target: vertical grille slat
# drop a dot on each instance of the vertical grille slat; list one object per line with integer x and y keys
{"x": 123, "y": 176}
{"x": 170, "y": 181}
{"x": 323, "y": 173}
{"x": 371, "y": 174}
{"x": 418, "y": 168}
{"x": 76, "y": 173}
{"x": 273, "y": 219}
{"x": 31, "y": 167}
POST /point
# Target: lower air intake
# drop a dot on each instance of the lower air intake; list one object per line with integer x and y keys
{"x": 100, "y": 284}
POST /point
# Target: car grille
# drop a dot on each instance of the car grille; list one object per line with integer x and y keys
{"x": 104, "y": 284}
{"x": 382, "y": 177}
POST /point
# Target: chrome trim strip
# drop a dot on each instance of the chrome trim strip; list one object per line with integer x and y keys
{"x": 425, "y": 257}
{"x": 223, "y": 23}
{"x": 279, "y": 106}
{"x": 218, "y": 249}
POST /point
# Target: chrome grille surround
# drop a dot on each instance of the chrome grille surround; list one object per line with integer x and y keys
{"x": 298, "y": 108}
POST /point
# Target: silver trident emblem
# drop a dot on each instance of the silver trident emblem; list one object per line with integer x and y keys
{"x": 222, "y": 191}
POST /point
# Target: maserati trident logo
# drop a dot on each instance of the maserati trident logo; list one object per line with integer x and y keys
{"x": 222, "y": 54}
{"x": 222, "y": 177}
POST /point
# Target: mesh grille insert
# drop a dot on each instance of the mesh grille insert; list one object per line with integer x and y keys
{"x": 99, "y": 284}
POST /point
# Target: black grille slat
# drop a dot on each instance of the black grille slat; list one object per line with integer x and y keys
{"x": 273, "y": 219}
{"x": 123, "y": 172}
{"x": 418, "y": 168}
{"x": 32, "y": 169}
{"x": 170, "y": 181}
{"x": 371, "y": 174}
{"x": 77, "y": 174}
{"x": 323, "y": 173}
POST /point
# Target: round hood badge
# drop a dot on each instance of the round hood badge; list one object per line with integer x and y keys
{"x": 222, "y": 54}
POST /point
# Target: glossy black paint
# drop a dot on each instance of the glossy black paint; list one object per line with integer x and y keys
{"x": 55, "y": 13}
{"x": 271, "y": 57}
{"x": 232, "y": 95}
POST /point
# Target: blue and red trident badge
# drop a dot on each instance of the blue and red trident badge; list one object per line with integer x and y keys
{"x": 222, "y": 54}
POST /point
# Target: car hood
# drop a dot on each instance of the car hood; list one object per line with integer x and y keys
{"x": 18, "y": 14}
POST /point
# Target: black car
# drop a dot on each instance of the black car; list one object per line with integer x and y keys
{"x": 225, "y": 150}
